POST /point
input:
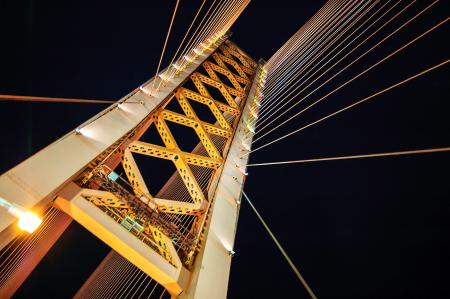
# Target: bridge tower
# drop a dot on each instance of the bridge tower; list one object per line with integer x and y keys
{"x": 182, "y": 234}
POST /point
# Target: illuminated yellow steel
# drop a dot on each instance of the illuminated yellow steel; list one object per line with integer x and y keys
{"x": 197, "y": 204}
{"x": 104, "y": 198}
{"x": 178, "y": 207}
{"x": 228, "y": 52}
{"x": 120, "y": 209}
{"x": 221, "y": 59}
{"x": 227, "y": 57}
{"x": 184, "y": 120}
{"x": 243, "y": 58}
{"x": 198, "y": 127}
{"x": 134, "y": 175}
{"x": 211, "y": 103}
{"x": 225, "y": 90}
{"x": 180, "y": 163}
{"x": 165, "y": 245}
{"x": 211, "y": 68}
{"x": 212, "y": 129}
{"x": 194, "y": 123}
{"x": 214, "y": 105}
{"x": 173, "y": 154}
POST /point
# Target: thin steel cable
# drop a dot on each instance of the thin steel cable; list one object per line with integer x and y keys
{"x": 19, "y": 98}
{"x": 123, "y": 268}
{"x": 151, "y": 293}
{"x": 399, "y": 153}
{"x": 11, "y": 266}
{"x": 134, "y": 270}
{"x": 209, "y": 26}
{"x": 136, "y": 274}
{"x": 353, "y": 78}
{"x": 283, "y": 252}
{"x": 146, "y": 286}
{"x": 314, "y": 31}
{"x": 198, "y": 37}
{"x": 281, "y": 53}
{"x": 322, "y": 38}
{"x": 119, "y": 268}
{"x": 163, "y": 292}
{"x": 184, "y": 38}
{"x": 21, "y": 244}
{"x": 102, "y": 281}
{"x": 140, "y": 285}
{"x": 263, "y": 118}
{"x": 126, "y": 269}
{"x": 331, "y": 67}
{"x": 10, "y": 244}
{"x": 328, "y": 29}
{"x": 308, "y": 67}
{"x": 297, "y": 50}
{"x": 303, "y": 34}
{"x": 354, "y": 104}
{"x": 165, "y": 43}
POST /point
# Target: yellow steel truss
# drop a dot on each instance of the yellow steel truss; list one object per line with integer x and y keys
{"x": 120, "y": 209}
{"x": 225, "y": 112}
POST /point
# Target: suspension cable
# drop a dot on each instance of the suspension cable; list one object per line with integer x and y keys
{"x": 352, "y": 105}
{"x": 400, "y": 153}
{"x": 165, "y": 42}
{"x": 353, "y": 78}
{"x": 283, "y": 252}
{"x": 17, "y": 98}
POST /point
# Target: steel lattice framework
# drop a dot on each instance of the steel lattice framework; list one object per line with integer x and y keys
{"x": 115, "y": 200}
{"x": 162, "y": 233}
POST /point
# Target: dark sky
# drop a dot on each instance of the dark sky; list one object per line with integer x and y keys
{"x": 375, "y": 228}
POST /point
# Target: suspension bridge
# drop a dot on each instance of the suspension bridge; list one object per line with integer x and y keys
{"x": 158, "y": 175}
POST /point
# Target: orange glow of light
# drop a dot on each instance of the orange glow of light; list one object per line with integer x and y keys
{"x": 29, "y": 222}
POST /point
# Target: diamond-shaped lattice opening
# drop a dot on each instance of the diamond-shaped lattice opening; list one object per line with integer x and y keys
{"x": 155, "y": 171}
{"x": 227, "y": 80}
{"x": 232, "y": 68}
{"x": 216, "y": 94}
{"x": 202, "y": 71}
{"x": 174, "y": 189}
{"x": 234, "y": 49}
{"x": 190, "y": 85}
{"x": 152, "y": 136}
{"x": 174, "y": 106}
{"x": 203, "y": 112}
{"x": 185, "y": 137}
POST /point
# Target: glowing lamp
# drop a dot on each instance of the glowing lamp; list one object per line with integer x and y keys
{"x": 29, "y": 221}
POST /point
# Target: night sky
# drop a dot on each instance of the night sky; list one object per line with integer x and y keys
{"x": 373, "y": 228}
